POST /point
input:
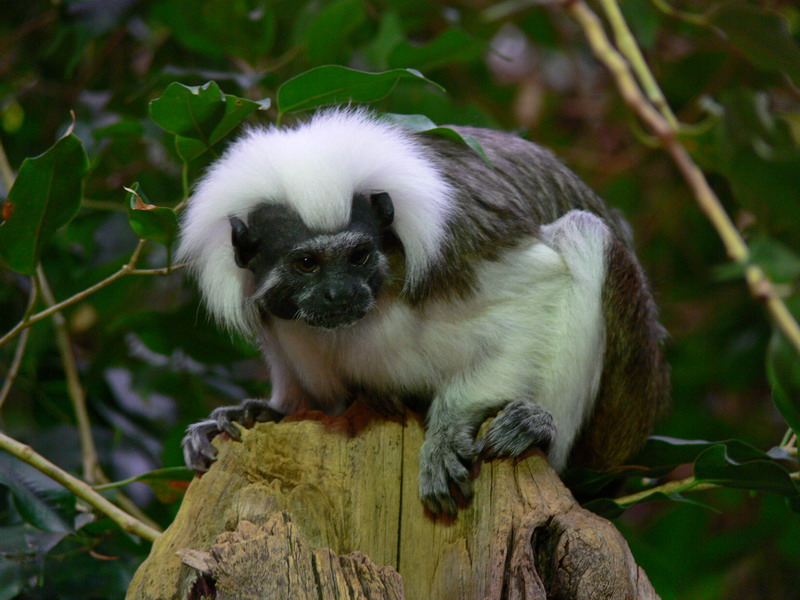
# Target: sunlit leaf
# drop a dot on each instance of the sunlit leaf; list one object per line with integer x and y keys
{"x": 189, "y": 111}
{"x": 333, "y": 84}
{"x": 236, "y": 111}
{"x": 46, "y": 196}
{"x": 422, "y": 124}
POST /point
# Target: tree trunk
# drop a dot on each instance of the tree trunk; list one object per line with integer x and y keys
{"x": 329, "y": 509}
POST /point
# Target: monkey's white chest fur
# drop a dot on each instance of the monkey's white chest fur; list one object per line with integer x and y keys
{"x": 533, "y": 329}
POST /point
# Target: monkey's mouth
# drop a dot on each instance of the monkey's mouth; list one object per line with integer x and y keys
{"x": 332, "y": 319}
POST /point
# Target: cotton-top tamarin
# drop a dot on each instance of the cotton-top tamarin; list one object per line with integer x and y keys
{"x": 364, "y": 258}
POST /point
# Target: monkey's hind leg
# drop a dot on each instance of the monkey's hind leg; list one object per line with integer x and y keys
{"x": 197, "y": 449}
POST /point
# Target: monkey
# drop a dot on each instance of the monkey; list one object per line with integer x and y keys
{"x": 365, "y": 258}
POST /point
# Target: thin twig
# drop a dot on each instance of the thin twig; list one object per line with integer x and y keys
{"x": 760, "y": 285}
{"x": 80, "y": 488}
{"x": 90, "y": 461}
{"x": 630, "y": 49}
{"x": 16, "y": 362}
{"x": 6, "y": 172}
{"x": 671, "y": 487}
{"x": 122, "y": 272}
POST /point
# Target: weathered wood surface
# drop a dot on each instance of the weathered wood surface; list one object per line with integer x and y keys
{"x": 329, "y": 509}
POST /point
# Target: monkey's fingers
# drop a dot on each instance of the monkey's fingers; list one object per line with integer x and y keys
{"x": 520, "y": 425}
{"x": 197, "y": 449}
{"x": 442, "y": 470}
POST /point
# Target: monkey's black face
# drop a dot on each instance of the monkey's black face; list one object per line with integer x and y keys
{"x": 329, "y": 280}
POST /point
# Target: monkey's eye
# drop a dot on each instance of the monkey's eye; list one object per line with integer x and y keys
{"x": 359, "y": 256}
{"x": 307, "y": 264}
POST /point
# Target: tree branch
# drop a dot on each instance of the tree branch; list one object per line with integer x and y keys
{"x": 760, "y": 285}
{"x": 80, "y": 488}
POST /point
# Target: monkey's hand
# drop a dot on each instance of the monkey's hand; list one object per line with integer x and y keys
{"x": 197, "y": 449}
{"x": 444, "y": 461}
{"x": 520, "y": 425}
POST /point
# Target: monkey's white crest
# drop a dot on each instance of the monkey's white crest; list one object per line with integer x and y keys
{"x": 314, "y": 168}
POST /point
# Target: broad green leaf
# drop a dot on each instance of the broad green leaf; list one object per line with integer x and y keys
{"x": 783, "y": 371}
{"x": 236, "y": 110}
{"x": 30, "y": 504}
{"x": 762, "y": 35}
{"x": 328, "y": 31}
{"x": 452, "y": 46}
{"x": 422, "y": 124}
{"x": 156, "y": 223}
{"x": 716, "y": 465}
{"x": 45, "y": 196}
{"x": 333, "y": 84}
{"x": 189, "y": 111}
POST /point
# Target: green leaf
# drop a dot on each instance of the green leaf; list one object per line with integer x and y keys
{"x": 189, "y": 111}
{"x": 327, "y": 34}
{"x": 450, "y": 47}
{"x": 45, "y": 196}
{"x": 156, "y": 223}
{"x": 333, "y": 84}
{"x": 422, "y": 124}
{"x": 236, "y": 111}
{"x": 33, "y": 508}
{"x": 783, "y": 371}
{"x": 716, "y": 465}
{"x": 762, "y": 35}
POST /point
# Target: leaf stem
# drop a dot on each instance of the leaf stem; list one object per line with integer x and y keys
{"x": 127, "y": 269}
{"x": 630, "y": 49}
{"x": 80, "y": 488}
{"x": 91, "y": 463}
{"x": 16, "y": 362}
{"x": 760, "y": 285}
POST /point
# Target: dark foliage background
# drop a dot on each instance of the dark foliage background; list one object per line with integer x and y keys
{"x": 150, "y": 360}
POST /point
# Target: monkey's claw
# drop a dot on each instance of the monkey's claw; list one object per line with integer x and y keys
{"x": 444, "y": 466}
{"x": 199, "y": 453}
{"x": 519, "y": 426}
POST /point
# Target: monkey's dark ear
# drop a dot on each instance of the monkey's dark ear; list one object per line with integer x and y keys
{"x": 382, "y": 204}
{"x": 244, "y": 247}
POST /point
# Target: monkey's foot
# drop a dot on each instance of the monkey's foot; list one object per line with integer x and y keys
{"x": 519, "y": 426}
{"x": 197, "y": 449}
{"x": 444, "y": 462}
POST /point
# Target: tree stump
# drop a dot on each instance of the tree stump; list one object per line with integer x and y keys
{"x": 328, "y": 508}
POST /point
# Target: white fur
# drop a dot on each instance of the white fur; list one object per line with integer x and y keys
{"x": 316, "y": 168}
{"x": 534, "y": 330}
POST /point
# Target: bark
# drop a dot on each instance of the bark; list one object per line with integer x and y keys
{"x": 329, "y": 509}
